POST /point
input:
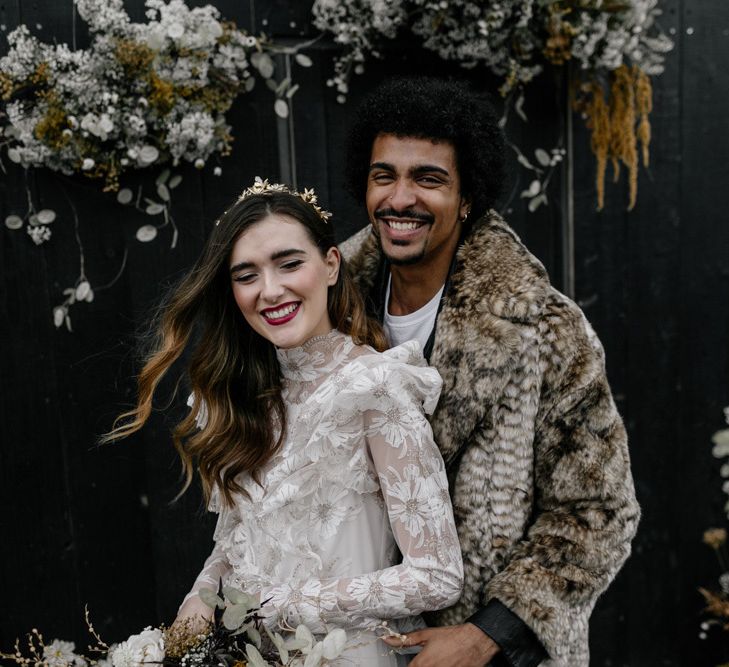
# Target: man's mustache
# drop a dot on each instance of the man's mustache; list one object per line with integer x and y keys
{"x": 408, "y": 214}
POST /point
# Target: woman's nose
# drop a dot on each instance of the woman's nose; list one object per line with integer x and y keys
{"x": 272, "y": 289}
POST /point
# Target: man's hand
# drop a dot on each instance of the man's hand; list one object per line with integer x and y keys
{"x": 454, "y": 645}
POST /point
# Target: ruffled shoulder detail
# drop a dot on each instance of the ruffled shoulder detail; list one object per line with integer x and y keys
{"x": 398, "y": 375}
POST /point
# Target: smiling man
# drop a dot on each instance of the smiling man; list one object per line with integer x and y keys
{"x": 536, "y": 451}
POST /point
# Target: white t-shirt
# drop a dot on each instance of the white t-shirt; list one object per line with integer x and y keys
{"x": 414, "y": 326}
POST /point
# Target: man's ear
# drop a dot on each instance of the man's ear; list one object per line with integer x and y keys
{"x": 333, "y": 260}
{"x": 465, "y": 208}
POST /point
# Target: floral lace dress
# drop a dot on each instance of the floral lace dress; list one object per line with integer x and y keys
{"x": 357, "y": 482}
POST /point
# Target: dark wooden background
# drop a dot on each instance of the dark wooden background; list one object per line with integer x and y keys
{"x": 81, "y": 524}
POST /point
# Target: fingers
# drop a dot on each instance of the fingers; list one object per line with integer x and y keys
{"x": 410, "y": 639}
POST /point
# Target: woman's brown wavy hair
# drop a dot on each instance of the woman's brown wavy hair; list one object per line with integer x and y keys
{"x": 233, "y": 371}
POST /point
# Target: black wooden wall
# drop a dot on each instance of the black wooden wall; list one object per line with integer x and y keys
{"x": 86, "y": 525}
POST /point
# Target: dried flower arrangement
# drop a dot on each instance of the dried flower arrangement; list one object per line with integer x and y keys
{"x": 235, "y": 637}
{"x": 615, "y": 46}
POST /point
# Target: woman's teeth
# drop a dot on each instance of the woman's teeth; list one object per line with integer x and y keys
{"x": 281, "y": 312}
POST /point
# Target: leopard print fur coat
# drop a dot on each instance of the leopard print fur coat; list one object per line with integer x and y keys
{"x": 536, "y": 451}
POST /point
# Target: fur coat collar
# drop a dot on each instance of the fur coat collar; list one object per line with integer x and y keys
{"x": 497, "y": 287}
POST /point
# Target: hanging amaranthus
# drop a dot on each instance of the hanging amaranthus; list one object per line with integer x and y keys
{"x": 617, "y": 124}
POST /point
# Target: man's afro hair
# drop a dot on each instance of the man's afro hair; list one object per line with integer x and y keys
{"x": 437, "y": 109}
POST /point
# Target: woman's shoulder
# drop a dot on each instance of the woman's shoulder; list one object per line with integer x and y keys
{"x": 398, "y": 374}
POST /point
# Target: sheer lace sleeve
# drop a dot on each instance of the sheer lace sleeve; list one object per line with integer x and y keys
{"x": 414, "y": 488}
{"x": 217, "y": 565}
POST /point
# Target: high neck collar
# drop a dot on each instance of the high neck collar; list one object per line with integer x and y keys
{"x": 317, "y": 357}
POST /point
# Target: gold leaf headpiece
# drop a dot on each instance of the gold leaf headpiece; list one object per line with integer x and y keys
{"x": 261, "y": 187}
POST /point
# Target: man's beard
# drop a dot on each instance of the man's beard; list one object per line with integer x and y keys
{"x": 404, "y": 261}
{"x": 409, "y": 214}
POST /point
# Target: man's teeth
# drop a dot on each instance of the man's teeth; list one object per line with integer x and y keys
{"x": 403, "y": 226}
{"x": 281, "y": 312}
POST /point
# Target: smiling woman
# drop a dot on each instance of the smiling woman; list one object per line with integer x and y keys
{"x": 281, "y": 278}
{"x": 300, "y": 428}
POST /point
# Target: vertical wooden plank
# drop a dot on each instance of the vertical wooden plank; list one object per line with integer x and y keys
{"x": 39, "y": 455}
{"x": 703, "y": 297}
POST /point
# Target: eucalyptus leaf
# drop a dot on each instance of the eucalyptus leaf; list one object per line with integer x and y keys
{"x": 291, "y": 91}
{"x": 59, "y": 314}
{"x": 278, "y": 641}
{"x": 303, "y": 60}
{"x": 13, "y": 222}
{"x": 162, "y": 178}
{"x": 234, "y": 616}
{"x": 14, "y": 155}
{"x": 163, "y": 192}
{"x": 33, "y": 220}
{"x": 148, "y": 154}
{"x": 524, "y": 162}
{"x": 154, "y": 209}
{"x": 174, "y": 181}
{"x": 241, "y": 630}
{"x": 239, "y": 597}
{"x": 82, "y": 290}
{"x": 535, "y": 203}
{"x": 249, "y": 84}
{"x": 255, "y": 659}
{"x": 303, "y": 633}
{"x": 266, "y": 66}
{"x": 46, "y": 216}
{"x": 207, "y": 595}
{"x": 124, "y": 196}
{"x": 271, "y": 84}
{"x": 285, "y": 83}
{"x": 254, "y": 636}
{"x": 533, "y": 190}
{"x": 67, "y": 320}
{"x": 281, "y": 108}
{"x": 519, "y": 108}
{"x": 145, "y": 234}
{"x": 314, "y": 657}
{"x": 542, "y": 157}
{"x": 89, "y": 296}
{"x": 333, "y": 644}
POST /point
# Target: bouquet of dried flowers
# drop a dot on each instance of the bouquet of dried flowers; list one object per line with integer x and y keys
{"x": 235, "y": 637}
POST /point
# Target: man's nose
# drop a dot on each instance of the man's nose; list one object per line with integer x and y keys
{"x": 403, "y": 195}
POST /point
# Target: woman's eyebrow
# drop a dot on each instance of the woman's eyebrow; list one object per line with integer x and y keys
{"x": 276, "y": 255}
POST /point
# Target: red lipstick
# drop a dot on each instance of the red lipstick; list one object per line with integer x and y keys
{"x": 281, "y": 320}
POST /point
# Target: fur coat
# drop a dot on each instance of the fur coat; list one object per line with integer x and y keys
{"x": 537, "y": 454}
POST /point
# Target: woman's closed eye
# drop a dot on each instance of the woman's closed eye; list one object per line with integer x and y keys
{"x": 292, "y": 264}
{"x": 244, "y": 278}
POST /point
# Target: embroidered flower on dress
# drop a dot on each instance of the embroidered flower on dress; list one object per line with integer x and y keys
{"x": 378, "y": 589}
{"x": 328, "y": 510}
{"x": 414, "y": 508}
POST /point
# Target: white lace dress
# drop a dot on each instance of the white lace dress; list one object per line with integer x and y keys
{"x": 357, "y": 482}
